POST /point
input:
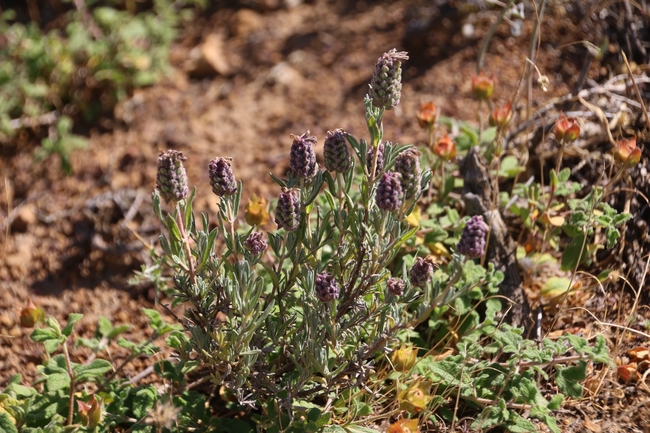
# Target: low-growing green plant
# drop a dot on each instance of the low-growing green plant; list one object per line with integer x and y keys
{"x": 92, "y": 396}
{"x": 49, "y": 79}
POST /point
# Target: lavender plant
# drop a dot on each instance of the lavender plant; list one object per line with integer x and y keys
{"x": 303, "y": 316}
{"x": 309, "y": 320}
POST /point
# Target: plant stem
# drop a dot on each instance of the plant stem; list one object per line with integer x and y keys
{"x": 130, "y": 358}
{"x": 72, "y": 384}
{"x": 441, "y": 187}
{"x": 380, "y": 126}
{"x": 490, "y": 35}
{"x": 186, "y": 243}
{"x": 231, "y": 223}
{"x": 531, "y": 56}
{"x": 559, "y": 157}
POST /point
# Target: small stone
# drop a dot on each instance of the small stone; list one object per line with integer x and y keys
{"x": 25, "y": 218}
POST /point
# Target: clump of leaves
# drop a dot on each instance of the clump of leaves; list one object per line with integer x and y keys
{"x": 91, "y": 395}
{"x": 47, "y": 80}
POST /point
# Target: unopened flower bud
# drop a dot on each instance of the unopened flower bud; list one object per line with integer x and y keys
{"x": 395, "y": 286}
{"x": 566, "y": 129}
{"x": 370, "y": 156}
{"x": 482, "y": 87}
{"x": 336, "y": 154}
{"x": 302, "y": 159}
{"x": 428, "y": 115}
{"x": 255, "y": 243}
{"x": 422, "y": 271}
{"x": 500, "y": 117}
{"x": 626, "y": 152}
{"x": 171, "y": 179}
{"x": 222, "y": 179}
{"x": 407, "y": 164}
{"x": 31, "y": 315}
{"x": 287, "y": 212}
{"x": 389, "y": 192}
{"x": 445, "y": 148}
{"x": 327, "y": 289}
{"x": 472, "y": 241}
{"x": 91, "y": 412}
{"x": 386, "y": 84}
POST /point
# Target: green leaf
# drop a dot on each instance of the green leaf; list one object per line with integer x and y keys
{"x": 40, "y": 335}
{"x": 574, "y": 253}
{"x": 564, "y": 175}
{"x": 510, "y": 167}
{"x": 556, "y": 402}
{"x": 122, "y": 342}
{"x": 334, "y": 429}
{"x": 52, "y": 345}
{"x": 57, "y": 381}
{"x": 612, "y": 234}
{"x": 205, "y": 254}
{"x": 103, "y": 326}
{"x": 117, "y": 331}
{"x": 450, "y": 182}
{"x": 72, "y": 319}
{"x": 144, "y": 400}
{"x": 155, "y": 320}
{"x": 93, "y": 370}
{"x": 568, "y": 379}
{"x": 174, "y": 231}
{"x": 6, "y": 425}
{"x": 621, "y": 218}
{"x": 519, "y": 424}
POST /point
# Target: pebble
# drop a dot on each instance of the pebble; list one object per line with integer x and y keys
{"x": 6, "y": 320}
{"x": 26, "y": 217}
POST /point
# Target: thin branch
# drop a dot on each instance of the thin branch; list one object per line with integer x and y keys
{"x": 638, "y": 94}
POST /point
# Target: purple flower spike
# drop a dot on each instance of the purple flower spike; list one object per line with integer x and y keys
{"x": 395, "y": 286}
{"x": 407, "y": 164}
{"x": 287, "y": 212}
{"x": 171, "y": 179}
{"x": 386, "y": 84}
{"x": 380, "y": 158}
{"x": 472, "y": 241}
{"x": 302, "y": 159}
{"x": 389, "y": 192}
{"x": 336, "y": 153}
{"x": 327, "y": 289}
{"x": 255, "y": 243}
{"x": 422, "y": 271}
{"x": 221, "y": 178}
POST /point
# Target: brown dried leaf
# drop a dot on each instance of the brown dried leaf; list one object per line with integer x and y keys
{"x": 639, "y": 354}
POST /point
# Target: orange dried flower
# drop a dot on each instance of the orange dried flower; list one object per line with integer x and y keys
{"x": 428, "y": 115}
{"x": 482, "y": 86}
{"x": 445, "y": 148}
{"x": 404, "y": 358}
{"x": 256, "y": 213}
{"x": 500, "y": 116}
{"x": 404, "y": 426}
{"x": 566, "y": 129}
{"x": 626, "y": 152}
